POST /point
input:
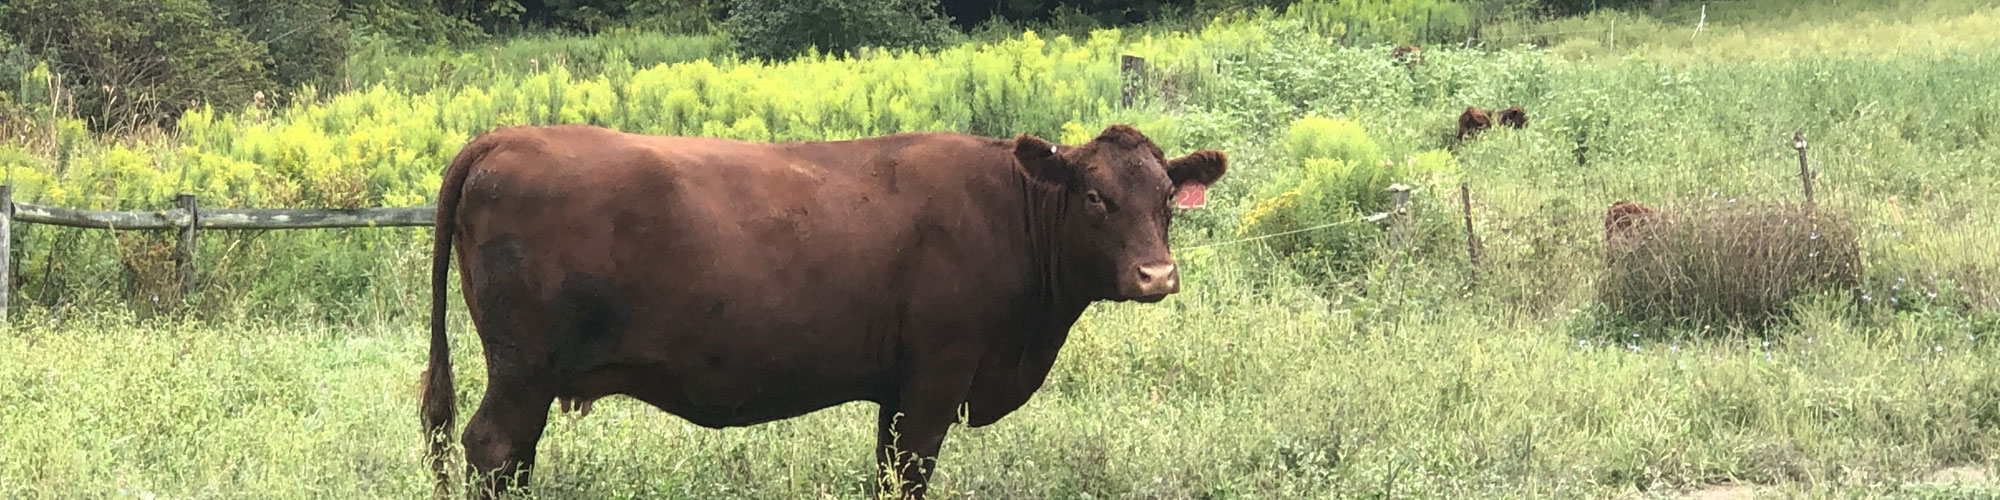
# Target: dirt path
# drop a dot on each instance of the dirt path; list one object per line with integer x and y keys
{"x": 1968, "y": 475}
{"x": 1722, "y": 492}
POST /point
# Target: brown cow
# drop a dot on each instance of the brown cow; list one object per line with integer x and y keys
{"x": 1407, "y": 54}
{"x": 1514, "y": 117}
{"x": 1472, "y": 121}
{"x": 735, "y": 283}
{"x": 1620, "y": 220}
{"x": 1624, "y": 215}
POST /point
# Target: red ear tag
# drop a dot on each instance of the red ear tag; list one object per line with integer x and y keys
{"x": 1191, "y": 195}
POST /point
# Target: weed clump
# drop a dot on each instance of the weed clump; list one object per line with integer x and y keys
{"x": 1340, "y": 175}
{"x": 1737, "y": 264}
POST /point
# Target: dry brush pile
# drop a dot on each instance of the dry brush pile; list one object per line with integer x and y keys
{"x": 1725, "y": 264}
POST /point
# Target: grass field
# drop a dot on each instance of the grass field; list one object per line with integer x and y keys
{"x": 1405, "y": 375}
{"x": 1215, "y": 395}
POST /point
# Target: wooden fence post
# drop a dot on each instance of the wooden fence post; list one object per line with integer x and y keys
{"x": 6, "y": 248}
{"x": 1134, "y": 70}
{"x": 1806, "y": 174}
{"x": 184, "y": 258}
{"x": 1700, "y": 22}
{"x": 1471, "y": 241}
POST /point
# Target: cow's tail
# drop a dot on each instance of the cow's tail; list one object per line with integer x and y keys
{"x": 440, "y": 404}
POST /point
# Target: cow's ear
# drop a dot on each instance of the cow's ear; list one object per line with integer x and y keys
{"x": 1041, "y": 161}
{"x": 1193, "y": 174}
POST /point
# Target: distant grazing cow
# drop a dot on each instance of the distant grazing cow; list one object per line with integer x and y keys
{"x": 1514, "y": 117}
{"x": 1620, "y": 220}
{"x": 1472, "y": 121}
{"x": 1407, "y": 54}
{"x": 734, "y": 283}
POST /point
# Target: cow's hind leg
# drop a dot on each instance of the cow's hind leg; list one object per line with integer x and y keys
{"x": 515, "y": 332}
{"x": 501, "y": 437}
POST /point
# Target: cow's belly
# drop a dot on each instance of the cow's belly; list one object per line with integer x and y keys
{"x": 720, "y": 352}
{"x": 712, "y": 398}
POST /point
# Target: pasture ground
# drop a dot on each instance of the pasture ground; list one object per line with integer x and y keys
{"x": 1214, "y": 395}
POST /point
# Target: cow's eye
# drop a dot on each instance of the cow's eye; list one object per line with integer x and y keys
{"x": 1091, "y": 196}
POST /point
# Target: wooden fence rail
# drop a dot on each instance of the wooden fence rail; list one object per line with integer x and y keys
{"x": 189, "y": 218}
{"x": 227, "y": 218}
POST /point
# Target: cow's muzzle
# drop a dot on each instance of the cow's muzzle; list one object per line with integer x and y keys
{"x": 1155, "y": 281}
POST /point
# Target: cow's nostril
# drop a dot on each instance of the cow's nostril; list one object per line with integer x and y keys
{"x": 1151, "y": 273}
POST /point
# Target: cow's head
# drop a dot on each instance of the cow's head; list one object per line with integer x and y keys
{"x": 1119, "y": 192}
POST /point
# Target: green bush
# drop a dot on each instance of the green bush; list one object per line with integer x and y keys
{"x": 616, "y": 53}
{"x": 1571, "y": 7}
{"x": 778, "y": 29}
{"x": 411, "y": 22}
{"x": 306, "y": 39}
{"x": 1394, "y": 22}
{"x": 15, "y": 64}
{"x": 676, "y": 16}
{"x": 1335, "y": 173}
{"x": 1342, "y": 139}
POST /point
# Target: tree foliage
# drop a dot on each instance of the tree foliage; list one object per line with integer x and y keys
{"x": 775, "y": 29}
{"x": 139, "y": 61}
{"x": 413, "y": 22}
{"x": 307, "y": 39}
{"x": 970, "y": 13}
{"x": 1572, "y": 7}
{"x": 680, "y": 16}
{"x": 447, "y": 21}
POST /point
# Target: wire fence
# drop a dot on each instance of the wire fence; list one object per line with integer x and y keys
{"x": 1330, "y": 225}
{"x": 152, "y": 258}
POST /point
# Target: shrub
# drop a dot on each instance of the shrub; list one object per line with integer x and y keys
{"x": 1394, "y": 22}
{"x": 1342, "y": 139}
{"x": 131, "y": 62}
{"x": 412, "y": 22}
{"x": 616, "y": 54}
{"x": 1732, "y": 265}
{"x": 306, "y": 39}
{"x": 1570, "y": 7}
{"x": 774, "y": 29}
{"x": 1340, "y": 173}
{"x": 679, "y": 16}
{"x": 15, "y": 63}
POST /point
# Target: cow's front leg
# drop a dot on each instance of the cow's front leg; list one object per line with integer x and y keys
{"x": 906, "y": 451}
{"x": 909, "y": 434}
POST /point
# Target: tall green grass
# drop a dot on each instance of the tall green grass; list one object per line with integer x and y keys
{"x": 1216, "y": 393}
